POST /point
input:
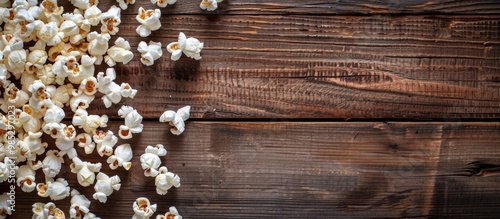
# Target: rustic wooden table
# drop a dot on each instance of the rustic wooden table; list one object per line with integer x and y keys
{"x": 317, "y": 109}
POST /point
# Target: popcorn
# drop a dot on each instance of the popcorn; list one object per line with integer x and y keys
{"x": 26, "y": 178}
{"x": 143, "y": 209}
{"x": 104, "y": 186}
{"x": 110, "y": 20}
{"x": 61, "y": 95}
{"x": 52, "y": 11}
{"x": 191, "y": 47}
{"x": 122, "y": 157}
{"x": 150, "y": 160}
{"x": 112, "y": 91}
{"x": 171, "y": 214}
{"x": 89, "y": 123}
{"x": 46, "y": 211}
{"x": 79, "y": 205}
{"x": 4, "y": 205}
{"x": 53, "y": 129}
{"x": 14, "y": 55}
{"x": 85, "y": 141}
{"x": 54, "y": 114}
{"x": 4, "y": 169}
{"x": 80, "y": 100}
{"x": 163, "y": 3}
{"x": 51, "y": 164}
{"x": 149, "y": 53}
{"x": 49, "y": 34}
{"x": 165, "y": 180}
{"x": 84, "y": 4}
{"x": 105, "y": 142}
{"x": 93, "y": 15}
{"x": 89, "y": 85}
{"x": 78, "y": 72}
{"x": 209, "y": 5}
{"x": 124, "y": 3}
{"x": 83, "y": 26}
{"x": 133, "y": 122}
{"x": 34, "y": 143}
{"x": 120, "y": 52}
{"x": 149, "y": 20}
{"x": 176, "y": 119}
{"x": 56, "y": 190}
{"x": 85, "y": 171}
{"x": 65, "y": 141}
{"x": 36, "y": 60}
{"x": 98, "y": 45}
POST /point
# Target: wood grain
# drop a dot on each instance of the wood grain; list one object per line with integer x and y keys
{"x": 415, "y": 67}
{"x": 331, "y": 7}
{"x": 312, "y": 170}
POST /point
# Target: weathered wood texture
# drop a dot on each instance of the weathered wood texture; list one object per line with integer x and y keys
{"x": 312, "y": 170}
{"x": 329, "y": 7}
{"x": 416, "y": 67}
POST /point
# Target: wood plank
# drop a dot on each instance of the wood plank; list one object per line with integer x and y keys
{"x": 260, "y": 7}
{"x": 314, "y": 170}
{"x": 419, "y": 67}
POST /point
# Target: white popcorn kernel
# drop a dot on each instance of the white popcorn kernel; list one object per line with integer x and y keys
{"x": 120, "y": 52}
{"x": 98, "y": 45}
{"x": 112, "y": 91}
{"x": 69, "y": 28}
{"x": 14, "y": 55}
{"x": 80, "y": 100}
{"x": 4, "y": 169}
{"x": 149, "y": 53}
{"x": 89, "y": 123}
{"x": 85, "y": 171}
{"x": 61, "y": 95}
{"x": 165, "y": 180}
{"x": 110, "y": 20}
{"x": 174, "y": 49}
{"x": 127, "y": 91}
{"x": 193, "y": 48}
{"x": 53, "y": 129}
{"x": 133, "y": 122}
{"x": 150, "y": 160}
{"x": 5, "y": 208}
{"x": 31, "y": 122}
{"x": 80, "y": 205}
{"x": 45, "y": 74}
{"x": 35, "y": 165}
{"x": 209, "y": 5}
{"x": 51, "y": 164}
{"x": 54, "y": 114}
{"x": 176, "y": 119}
{"x": 163, "y": 3}
{"x": 65, "y": 141}
{"x": 149, "y": 20}
{"x": 105, "y": 142}
{"x": 78, "y": 72}
{"x": 46, "y": 211}
{"x": 93, "y": 15}
{"x": 34, "y": 142}
{"x": 26, "y": 178}
{"x": 84, "y": 4}
{"x": 56, "y": 190}
{"x": 89, "y": 85}
{"x": 104, "y": 186}
{"x": 143, "y": 209}
{"x": 171, "y": 214}
{"x": 35, "y": 60}
{"x": 85, "y": 141}
{"x": 50, "y": 34}
{"x": 40, "y": 99}
{"x": 122, "y": 157}
{"x": 124, "y": 3}
{"x": 52, "y": 12}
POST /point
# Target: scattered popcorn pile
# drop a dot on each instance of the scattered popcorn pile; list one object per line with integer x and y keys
{"x": 58, "y": 71}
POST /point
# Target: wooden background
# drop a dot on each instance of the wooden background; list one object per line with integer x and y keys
{"x": 317, "y": 109}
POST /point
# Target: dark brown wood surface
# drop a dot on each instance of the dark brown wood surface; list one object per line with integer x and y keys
{"x": 312, "y": 170}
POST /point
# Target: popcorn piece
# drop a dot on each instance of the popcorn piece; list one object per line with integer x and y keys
{"x": 54, "y": 114}
{"x": 143, "y": 209}
{"x": 26, "y": 178}
{"x": 149, "y": 20}
{"x": 110, "y": 20}
{"x": 124, "y": 3}
{"x": 65, "y": 141}
{"x": 85, "y": 141}
{"x": 51, "y": 164}
{"x": 53, "y": 129}
{"x": 80, "y": 100}
{"x": 149, "y": 53}
{"x": 40, "y": 99}
{"x": 191, "y": 47}
{"x": 163, "y": 3}
{"x": 85, "y": 171}
{"x": 83, "y": 26}
{"x": 89, "y": 123}
{"x": 209, "y": 5}
{"x": 171, "y": 214}
{"x": 79, "y": 205}
{"x": 78, "y": 72}
{"x": 56, "y": 190}
{"x": 122, "y": 157}
{"x": 133, "y": 122}
{"x": 93, "y": 15}
{"x": 46, "y": 211}
{"x": 4, "y": 205}
{"x": 14, "y": 55}
{"x": 112, "y": 91}
{"x": 120, "y": 52}
{"x": 52, "y": 11}
{"x": 36, "y": 60}
{"x": 176, "y": 119}
{"x": 105, "y": 142}
{"x": 50, "y": 34}
{"x": 84, "y": 4}
{"x": 60, "y": 95}
{"x": 4, "y": 169}
{"x": 105, "y": 185}
{"x": 165, "y": 180}
{"x": 150, "y": 160}
{"x": 98, "y": 45}
{"x": 89, "y": 85}
{"x": 34, "y": 143}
